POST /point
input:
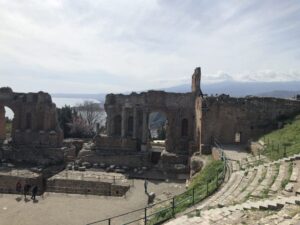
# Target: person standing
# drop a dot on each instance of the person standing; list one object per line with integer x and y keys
{"x": 34, "y": 192}
{"x": 146, "y": 186}
{"x": 26, "y": 189}
{"x": 19, "y": 187}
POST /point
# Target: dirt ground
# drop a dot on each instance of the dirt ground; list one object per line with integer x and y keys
{"x": 61, "y": 209}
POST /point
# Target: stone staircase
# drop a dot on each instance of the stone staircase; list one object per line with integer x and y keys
{"x": 267, "y": 186}
{"x": 234, "y": 214}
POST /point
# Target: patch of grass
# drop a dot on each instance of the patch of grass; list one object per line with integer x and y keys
{"x": 208, "y": 174}
{"x": 247, "y": 196}
{"x": 284, "y": 140}
{"x": 8, "y": 128}
{"x": 244, "y": 189}
{"x": 262, "y": 177}
{"x": 275, "y": 175}
{"x": 202, "y": 185}
{"x": 287, "y": 179}
{"x": 265, "y": 192}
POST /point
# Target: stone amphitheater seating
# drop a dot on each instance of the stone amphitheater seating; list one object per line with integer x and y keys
{"x": 271, "y": 185}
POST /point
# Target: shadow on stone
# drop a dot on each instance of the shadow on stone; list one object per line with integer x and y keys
{"x": 18, "y": 199}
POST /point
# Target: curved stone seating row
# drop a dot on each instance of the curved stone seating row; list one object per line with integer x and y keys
{"x": 266, "y": 182}
{"x": 245, "y": 189}
{"x": 280, "y": 177}
{"x": 232, "y": 214}
{"x": 234, "y": 178}
{"x": 233, "y": 196}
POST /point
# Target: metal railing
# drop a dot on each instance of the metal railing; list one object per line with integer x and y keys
{"x": 167, "y": 209}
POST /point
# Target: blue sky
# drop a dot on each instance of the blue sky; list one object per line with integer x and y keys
{"x": 96, "y": 46}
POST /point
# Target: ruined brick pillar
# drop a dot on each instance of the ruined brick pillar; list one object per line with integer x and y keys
{"x": 145, "y": 127}
{"x": 196, "y": 78}
{"x": 134, "y": 122}
{"x": 108, "y": 124}
{"x": 2, "y": 124}
{"x": 123, "y": 130}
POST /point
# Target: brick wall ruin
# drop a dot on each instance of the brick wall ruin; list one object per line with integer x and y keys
{"x": 35, "y": 120}
{"x": 237, "y": 120}
{"x": 192, "y": 122}
{"x": 128, "y": 117}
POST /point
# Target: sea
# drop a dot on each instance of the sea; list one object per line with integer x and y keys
{"x": 60, "y": 102}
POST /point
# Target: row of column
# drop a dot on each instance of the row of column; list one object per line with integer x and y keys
{"x": 124, "y": 128}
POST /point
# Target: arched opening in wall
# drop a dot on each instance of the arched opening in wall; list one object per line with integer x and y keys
{"x": 117, "y": 125}
{"x": 237, "y": 138}
{"x": 6, "y": 124}
{"x": 157, "y": 125}
{"x": 184, "y": 128}
{"x": 130, "y": 126}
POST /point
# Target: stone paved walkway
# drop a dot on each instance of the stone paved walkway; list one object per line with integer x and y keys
{"x": 66, "y": 209}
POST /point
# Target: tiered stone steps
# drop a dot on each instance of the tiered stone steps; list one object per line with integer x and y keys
{"x": 231, "y": 214}
{"x": 280, "y": 177}
{"x": 252, "y": 185}
{"x": 246, "y": 188}
{"x": 233, "y": 197}
{"x": 235, "y": 178}
{"x": 252, "y": 161}
{"x": 293, "y": 178}
{"x": 266, "y": 182}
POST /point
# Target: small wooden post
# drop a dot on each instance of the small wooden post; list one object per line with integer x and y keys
{"x": 193, "y": 196}
{"x": 145, "y": 218}
{"x": 206, "y": 188}
{"x": 173, "y": 207}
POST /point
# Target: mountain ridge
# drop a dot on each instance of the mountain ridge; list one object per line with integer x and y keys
{"x": 286, "y": 89}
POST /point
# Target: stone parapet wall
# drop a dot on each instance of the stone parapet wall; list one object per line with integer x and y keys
{"x": 106, "y": 143}
{"x": 223, "y": 117}
{"x": 87, "y": 183}
{"x": 9, "y": 179}
{"x": 86, "y": 187}
{"x": 130, "y": 160}
{"x": 34, "y": 155}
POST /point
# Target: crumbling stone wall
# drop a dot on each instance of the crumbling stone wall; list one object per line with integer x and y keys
{"x": 84, "y": 183}
{"x": 35, "y": 119}
{"x": 10, "y": 177}
{"x": 227, "y": 118}
{"x": 128, "y": 116}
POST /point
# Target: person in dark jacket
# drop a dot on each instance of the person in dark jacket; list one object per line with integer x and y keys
{"x": 26, "y": 189}
{"x": 34, "y": 192}
{"x": 19, "y": 187}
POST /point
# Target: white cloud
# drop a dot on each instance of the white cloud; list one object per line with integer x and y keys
{"x": 104, "y": 45}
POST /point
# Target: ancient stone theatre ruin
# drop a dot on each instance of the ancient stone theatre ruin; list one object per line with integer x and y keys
{"x": 34, "y": 127}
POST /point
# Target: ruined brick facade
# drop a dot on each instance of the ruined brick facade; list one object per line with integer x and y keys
{"x": 237, "y": 120}
{"x": 229, "y": 120}
{"x": 193, "y": 122}
{"x": 35, "y": 120}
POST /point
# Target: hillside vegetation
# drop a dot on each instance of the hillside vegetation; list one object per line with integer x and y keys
{"x": 284, "y": 141}
{"x": 8, "y": 127}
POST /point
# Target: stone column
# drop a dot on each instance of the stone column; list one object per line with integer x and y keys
{"x": 145, "y": 127}
{"x": 134, "y": 122}
{"x": 2, "y": 124}
{"x": 108, "y": 124}
{"x": 123, "y": 130}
